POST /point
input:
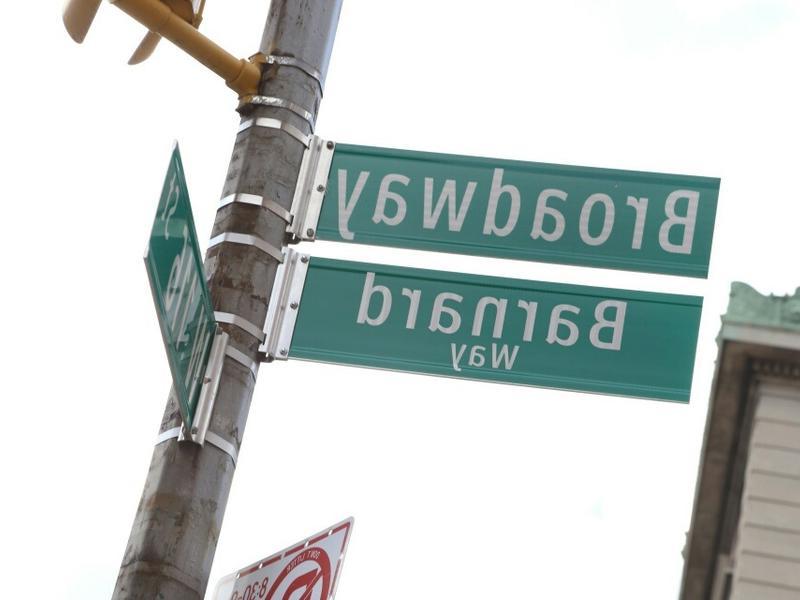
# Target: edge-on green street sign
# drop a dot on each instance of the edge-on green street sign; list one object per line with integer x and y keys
{"x": 512, "y": 209}
{"x": 507, "y": 330}
{"x": 175, "y": 270}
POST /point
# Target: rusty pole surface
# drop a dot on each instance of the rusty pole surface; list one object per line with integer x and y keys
{"x": 177, "y": 524}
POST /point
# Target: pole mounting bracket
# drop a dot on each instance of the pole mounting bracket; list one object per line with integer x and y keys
{"x": 199, "y": 433}
{"x": 312, "y": 182}
{"x": 208, "y": 391}
{"x": 284, "y": 305}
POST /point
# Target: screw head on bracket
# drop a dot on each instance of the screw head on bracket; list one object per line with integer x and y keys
{"x": 293, "y": 305}
{"x": 284, "y": 351}
{"x": 304, "y": 259}
{"x": 310, "y": 232}
{"x": 320, "y": 188}
{"x": 329, "y": 145}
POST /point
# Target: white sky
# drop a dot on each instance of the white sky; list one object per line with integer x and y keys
{"x": 459, "y": 489}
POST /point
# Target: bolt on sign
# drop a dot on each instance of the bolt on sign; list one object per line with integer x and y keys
{"x": 588, "y": 339}
{"x": 512, "y": 209}
{"x": 308, "y": 570}
{"x": 177, "y": 280}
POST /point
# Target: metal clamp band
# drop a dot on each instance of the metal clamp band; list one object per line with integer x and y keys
{"x": 175, "y": 432}
{"x": 276, "y": 124}
{"x": 247, "y": 240}
{"x": 224, "y": 445}
{"x": 297, "y": 63}
{"x": 212, "y": 438}
{"x": 240, "y": 322}
{"x": 282, "y": 103}
{"x": 241, "y": 358}
{"x": 256, "y": 200}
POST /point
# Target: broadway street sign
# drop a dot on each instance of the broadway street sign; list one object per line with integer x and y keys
{"x": 175, "y": 269}
{"x": 507, "y": 330}
{"x": 512, "y": 209}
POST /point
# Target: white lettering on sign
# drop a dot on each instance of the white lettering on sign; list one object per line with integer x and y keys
{"x": 501, "y": 356}
{"x": 448, "y": 196}
{"x": 687, "y": 221}
{"x": 439, "y": 309}
{"x": 490, "y": 226}
{"x": 348, "y": 204}
{"x": 457, "y": 351}
{"x": 171, "y": 203}
{"x": 366, "y": 298}
{"x": 174, "y": 281}
{"x": 180, "y": 299}
{"x": 183, "y": 290}
{"x": 385, "y": 195}
{"x": 602, "y": 322}
{"x": 557, "y": 322}
{"x": 542, "y": 211}
{"x": 640, "y": 206}
{"x": 608, "y": 219}
{"x": 413, "y": 306}
{"x": 530, "y": 318}
{"x": 500, "y": 315}
{"x": 503, "y": 203}
{"x": 447, "y": 314}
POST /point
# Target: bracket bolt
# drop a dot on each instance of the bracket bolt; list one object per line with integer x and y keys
{"x": 310, "y": 232}
{"x": 293, "y": 305}
{"x": 284, "y": 351}
{"x": 320, "y": 188}
{"x": 304, "y": 259}
{"x": 329, "y": 145}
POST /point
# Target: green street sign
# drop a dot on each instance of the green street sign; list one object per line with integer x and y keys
{"x": 177, "y": 280}
{"x": 580, "y": 338}
{"x": 512, "y": 209}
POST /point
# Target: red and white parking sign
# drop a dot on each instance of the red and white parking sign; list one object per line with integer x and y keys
{"x": 306, "y": 571}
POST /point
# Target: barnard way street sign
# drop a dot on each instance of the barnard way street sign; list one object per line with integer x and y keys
{"x": 308, "y": 570}
{"x": 177, "y": 280}
{"x": 512, "y": 209}
{"x": 507, "y": 330}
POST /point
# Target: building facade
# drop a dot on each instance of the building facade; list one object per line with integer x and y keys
{"x": 744, "y": 540}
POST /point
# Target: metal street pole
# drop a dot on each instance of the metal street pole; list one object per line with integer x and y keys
{"x": 178, "y": 521}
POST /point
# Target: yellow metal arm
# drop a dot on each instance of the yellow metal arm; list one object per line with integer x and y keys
{"x": 239, "y": 74}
